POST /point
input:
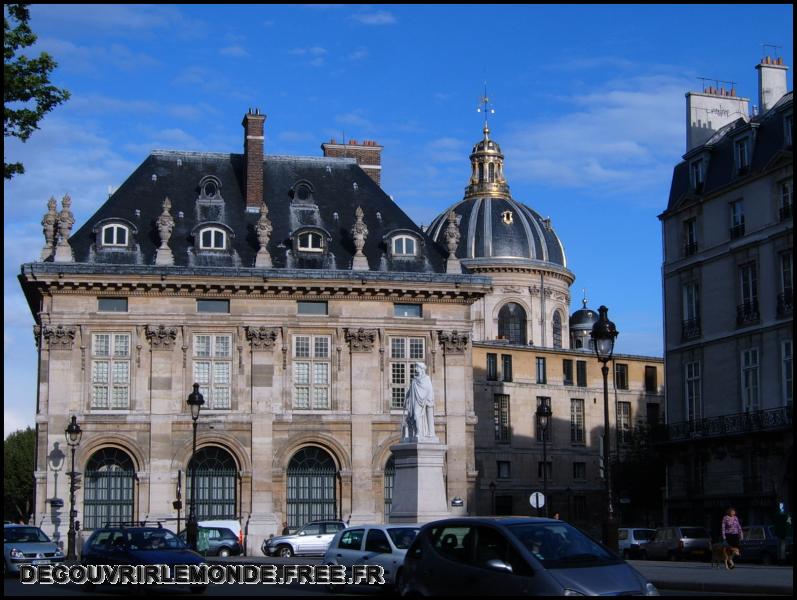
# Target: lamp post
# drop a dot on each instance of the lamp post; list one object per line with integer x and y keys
{"x": 492, "y": 497}
{"x": 195, "y": 402}
{"x": 603, "y": 335}
{"x": 543, "y": 417}
{"x": 73, "y": 433}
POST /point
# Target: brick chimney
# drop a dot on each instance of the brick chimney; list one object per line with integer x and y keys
{"x": 368, "y": 155}
{"x": 771, "y": 82}
{"x": 253, "y": 159}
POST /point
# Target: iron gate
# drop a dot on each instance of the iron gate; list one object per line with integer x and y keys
{"x": 312, "y": 487}
{"x": 108, "y": 482}
{"x": 216, "y": 478}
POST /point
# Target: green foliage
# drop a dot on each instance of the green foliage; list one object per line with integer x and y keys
{"x": 19, "y": 450}
{"x": 27, "y": 92}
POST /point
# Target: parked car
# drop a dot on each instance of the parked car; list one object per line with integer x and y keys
{"x": 679, "y": 543}
{"x": 761, "y": 544}
{"x": 383, "y": 545}
{"x": 215, "y": 541}
{"x": 27, "y": 545}
{"x": 488, "y": 556}
{"x": 312, "y": 539}
{"x": 119, "y": 545}
{"x": 230, "y": 524}
{"x": 632, "y": 541}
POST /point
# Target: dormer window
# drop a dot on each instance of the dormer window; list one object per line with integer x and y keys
{"x": 311, "y": 242}
{"x": 742, "y": 155}
{"x": 302, "y": 192}
{"x": 697, "y": 175}
{"x": 115, "y": 235}
{"x": 404, "y": 245}
{"x": 210, "y": 188}
{"x": 212, "y": 238}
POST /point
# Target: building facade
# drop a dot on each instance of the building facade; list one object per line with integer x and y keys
{"x": 727, "y": 278}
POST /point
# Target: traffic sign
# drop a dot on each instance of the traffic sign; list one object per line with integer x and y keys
{"x": 537, "y": 500}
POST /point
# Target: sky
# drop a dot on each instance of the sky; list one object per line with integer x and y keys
{"x": 589, "y": 111}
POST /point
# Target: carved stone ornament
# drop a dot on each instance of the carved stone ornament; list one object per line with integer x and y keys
{"x": 37, "y": 334}
{"x": 161, "y": 337}
{"x": 263, "y": 229}
{"x": 359, "y": 231}
{"x": 60, "y": 337}
{"x": 63, "y": 251}
{"x": 165, "y": 225}
{"x": 361, "y": 340}
{"x": 452, "y": 234}
{"x": 49, "y": 223}
{"x": 262, "y": 338}
{"x": 453, "y": 342}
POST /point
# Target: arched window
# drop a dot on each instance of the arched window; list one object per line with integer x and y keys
{"x": 512, "y": 323}
{"x": 212, "y": 238}
{"x": 579, "y": 343}
{"x": 115, "y": 235}
{"x": 390, "y": 474}
{"x": 404, "y": 245}
{"x": 312, "y": 487}
{"x": 491, "y": 172}
{"x": 481, "y": 172}
{"x": 557, "y": 330}
{"x": 311, "y": 242}
{"x": 216, "y": 475}
{"x": 108, "y": 483}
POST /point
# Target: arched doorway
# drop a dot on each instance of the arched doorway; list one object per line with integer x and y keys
{"x": 108, "y": 488}
{"x": 312, "y": 487}
{"x": 512, "y": 323}
{"x": 216, "y": 490}
{"x": 390, "y": 474}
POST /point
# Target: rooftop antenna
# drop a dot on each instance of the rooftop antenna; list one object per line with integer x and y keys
{"x": 485, "y": 106}
{"x": 775, "y": 49}
{"x": 707, "y": 80}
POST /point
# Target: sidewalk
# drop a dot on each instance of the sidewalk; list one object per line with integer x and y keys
{"x": 702, "y": 577}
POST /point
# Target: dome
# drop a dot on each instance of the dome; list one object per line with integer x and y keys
{"x": 583, "y": 319}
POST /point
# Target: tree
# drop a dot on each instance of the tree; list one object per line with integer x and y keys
{"x": 18, "y": 456}
{"x": 27, "y": 94}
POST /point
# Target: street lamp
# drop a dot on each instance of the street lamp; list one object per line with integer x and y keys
{"x": 73, "y": 433}
{"x": 195, "y": 402}
{"x": 543, "y": 416}
{"x": 603, "y": 335}
{"x": 492, "y": 497}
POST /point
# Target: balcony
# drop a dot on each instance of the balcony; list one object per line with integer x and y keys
{"x": 737, "y": 231}
{"x": 784, "y": 304}
{"x": 690, "y": 329}
{"x": 728, "y": 425}
{"x": 690, "y": 248}
{"x": 785, "y": 212}
{"x": 747, "y": 313}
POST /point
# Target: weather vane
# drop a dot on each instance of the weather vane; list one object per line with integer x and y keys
{"x": 485, "y": 105}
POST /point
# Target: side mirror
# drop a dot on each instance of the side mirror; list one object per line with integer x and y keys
{"x": 498, "y": 565}
{"x": 300, "y": 533}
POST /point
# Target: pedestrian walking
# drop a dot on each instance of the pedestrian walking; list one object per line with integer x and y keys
{"x": 731, "y": 528}
{"x": 285, "y": 529}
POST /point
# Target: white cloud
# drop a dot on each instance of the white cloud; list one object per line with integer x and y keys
{"x": 354, "y": 118}
{"x": 313, "y": 51}
{"x": 235, "y": 51}
{"x": 92, "y": 59}
{"x": 358, "y": 54}
{"x": 13, "y": 421}
{"x": 380, "y": 17}
{"x": 447, "y": 149}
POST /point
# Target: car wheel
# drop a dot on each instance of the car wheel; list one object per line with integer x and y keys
{"x": 225, "y": 552}
{"x": 284, "y": 551}
{"x": 766, "y": 559}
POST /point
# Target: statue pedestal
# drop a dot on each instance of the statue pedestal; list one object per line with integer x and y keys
{"x": 419, "y": 492}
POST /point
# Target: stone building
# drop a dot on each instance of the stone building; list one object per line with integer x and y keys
{"x": 727, "y": 277}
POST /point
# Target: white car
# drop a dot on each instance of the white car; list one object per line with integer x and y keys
{"x": 383, "y": 545}
{"x": 312, "y": 539}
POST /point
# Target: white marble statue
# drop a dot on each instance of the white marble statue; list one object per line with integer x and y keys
{"x": 419, "y": 406}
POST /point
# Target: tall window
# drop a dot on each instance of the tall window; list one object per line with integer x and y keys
{"x": 567, "y": 371}
{"x": 549, "y": 429}
{"x": 750, "y": 399}
{"x": 216, "y": 483}
{"x": 693, "y": 391}
{"x": 501, "y": 418}
{"x": 651, "y": 385}
{"x": 579, "y": 471}
{"x": 691, "y": 302}
{"x": 108, "y": 488}
{"x": 624, "y": 422}
{"x": 491, "y": 172}
{"x": 697, "y": 175}
{"x": 786, "y": 190}
{"x": 786, "y": 368}
{"x": 581, "y": 373}
{"x": 557, "y": 330}
{"x": 404, "y": 353}
{"x": 311, "y": 489}
{"x": 577, "y": 421}
{"x": 504, "y": 468}
{"x": 690, "y": 237}
{"x": 737, "y": 219}
{"x": 747, "y": 311}
{"x": 492, "y": 366}
{"x": 621, "y": 376}
{"x": 311, "y": 369}
{"x": 742, "y": 155}
{"x": 390, "y": 477}
{"x": 110, "y": 371}
{"x": 512, "y": 323}
{"x": 541, "y": 377}
{"x": 506, "y": 365}
{"x": 213, "y": 369}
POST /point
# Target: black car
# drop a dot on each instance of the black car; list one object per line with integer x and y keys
{"x": 216, "y": 541}
{"x": 121, "y": 545}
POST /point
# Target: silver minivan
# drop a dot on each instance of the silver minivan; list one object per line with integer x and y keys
{"x": 631, "y": 541}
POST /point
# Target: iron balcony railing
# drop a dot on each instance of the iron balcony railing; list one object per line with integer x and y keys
{"x": 737, "y": 231}
{"x": 690, "y": 329}
{"x": 690, "y": 248}
{"x": 727, "y": 425}
{"x": 747, "y": 313}
{"x": 784, "y": 304}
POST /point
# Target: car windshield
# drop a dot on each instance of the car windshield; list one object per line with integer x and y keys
{"x": 403, "y": 536}
{"x": 694, "y": 532}
{"x": 155, "y": 539}
{"x": 22, "y": 535}
{"x": 558, "y": 546}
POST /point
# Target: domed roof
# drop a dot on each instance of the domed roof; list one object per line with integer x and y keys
{"x": 584, "y": 318}
{"x": 486, "y": 145}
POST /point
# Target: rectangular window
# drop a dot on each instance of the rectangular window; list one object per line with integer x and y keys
{"x": 311, "y": 372}
{"x": 492, "y": 367}
{"x": 506, "y": 366}
{"x": 213, "y": 306}
{"x": 697, "y": 175}
{"x": 213, "y": 369}
{"x": 112, "y": 304}
{"x": 501, "y": 418}
{"x": 579, "y": 471}
{"x": 786, "y": 274}
{"x": 786, "y": 379}
{"x": 110, "y": 371}
{"x": 541, "y": 378}
{"x": 581, "y": 373}
{"x": 750, "y": 400}
{"x": 549, "y": 428}
{"x": 567, "y": 371}
{"x": 621, "y": 376}
{"x": 548, "y": 470}
{"x": 737, "y": 219}
{"x": 786, "y": 190}
{"x": 747, "y": 311}
{"x": 691, "y": 305}
{"x": 690, "y": 237}
{"x": 404, "y": 353}
{"x": 408, "y": 310}
{"x": 624, "y": 422}
{"x": 651, "y": 383}
{"x": 504, "y": 469}
{"x": 577, "y": 421}
{"x": 312, "y": 308}
{"x": 787, "y": 125}
{"x": 742, "y": 155}
{"x": 693, "y": 391}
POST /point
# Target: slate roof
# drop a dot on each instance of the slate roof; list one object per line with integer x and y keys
{"x": 339, "y": 186}
{"x": 769, "y": 140}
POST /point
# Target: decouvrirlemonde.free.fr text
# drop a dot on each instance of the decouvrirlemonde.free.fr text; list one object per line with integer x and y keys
{"x": 201, "y": 574}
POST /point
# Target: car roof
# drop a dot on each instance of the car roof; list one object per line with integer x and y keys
{"x": 16, "y": 525}
{"x": 494, "y": 521}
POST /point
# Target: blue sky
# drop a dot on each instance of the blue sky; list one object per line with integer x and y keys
{"x": 589, "y": 112}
